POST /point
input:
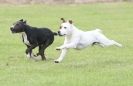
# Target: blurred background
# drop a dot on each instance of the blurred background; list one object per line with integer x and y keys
{"x": 58, "y": 1}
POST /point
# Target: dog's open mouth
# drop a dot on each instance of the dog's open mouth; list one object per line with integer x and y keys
{"x": 13, "y": 31}
{"x": 61, "y": 35}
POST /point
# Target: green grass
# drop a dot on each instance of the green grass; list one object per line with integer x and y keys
{"x": 92, "y": 66}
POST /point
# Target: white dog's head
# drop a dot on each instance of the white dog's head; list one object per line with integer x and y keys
{"x": 65, "y": 28}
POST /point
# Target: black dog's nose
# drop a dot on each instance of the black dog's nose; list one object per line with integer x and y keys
{"x": 11, "y": 28}
{"x": 58, "y": 32}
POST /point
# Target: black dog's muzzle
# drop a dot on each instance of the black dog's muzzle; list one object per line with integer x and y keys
{"x": 12, "y": 30}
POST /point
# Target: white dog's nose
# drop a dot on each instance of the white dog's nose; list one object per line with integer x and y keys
{"x": 58, "y": 32}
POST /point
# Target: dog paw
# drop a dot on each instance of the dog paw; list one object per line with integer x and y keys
{"x": 56, "y": 61}
{"x": 28, "y": 56}
{"x": 37, "y": 58}
{"x": 58, "y": 48}
{"x": 35, "y": 55}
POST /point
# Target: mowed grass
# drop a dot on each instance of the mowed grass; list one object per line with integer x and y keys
{"x": 92, "y": 66}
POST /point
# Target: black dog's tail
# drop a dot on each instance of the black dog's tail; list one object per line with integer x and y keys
{"x": 55, "y": 33}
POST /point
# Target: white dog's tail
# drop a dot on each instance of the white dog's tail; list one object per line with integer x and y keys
{"x": 99, "y": 30}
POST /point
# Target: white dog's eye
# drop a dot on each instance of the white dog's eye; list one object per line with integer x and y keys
{"x": 65, "y": 27}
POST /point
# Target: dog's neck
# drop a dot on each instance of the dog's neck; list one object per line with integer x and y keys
{"x": 27, "y": 29}
{"x": 74, "y": 29}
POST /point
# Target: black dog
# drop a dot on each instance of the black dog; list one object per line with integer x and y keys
{"x": 33, "y": 37}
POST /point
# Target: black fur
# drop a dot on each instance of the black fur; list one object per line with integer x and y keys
{"x": 37, "y": 37}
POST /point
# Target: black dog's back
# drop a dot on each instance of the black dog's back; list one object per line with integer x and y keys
{"x": 41, "y": 35}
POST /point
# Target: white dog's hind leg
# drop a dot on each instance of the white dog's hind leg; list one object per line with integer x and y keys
{"x": 63, "y": 53}
{"x": 104, "y": 41}
{"x": 111, "y": 42}
{"x": 116, "y": 43}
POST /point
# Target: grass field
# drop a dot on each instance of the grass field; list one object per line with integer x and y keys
{"x": 93, "y": 66}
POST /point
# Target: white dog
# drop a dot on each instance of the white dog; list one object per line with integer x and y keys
{"x": 78, "y": 39}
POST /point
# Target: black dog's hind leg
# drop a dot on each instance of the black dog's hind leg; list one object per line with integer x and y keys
{"x": 42, "y": 49}
{"x": 41, "y": 52}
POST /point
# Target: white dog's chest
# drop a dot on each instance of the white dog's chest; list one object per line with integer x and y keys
{"x": 25, "y": 40}
{"x": 82, "y": 45}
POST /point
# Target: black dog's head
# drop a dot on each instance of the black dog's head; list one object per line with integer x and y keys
{"x": 18, "y": 27}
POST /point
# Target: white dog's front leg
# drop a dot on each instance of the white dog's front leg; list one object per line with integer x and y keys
{"x": 70, "y": 45}
{"x": 62, "y": 55}
{"x": 59, "y": 48}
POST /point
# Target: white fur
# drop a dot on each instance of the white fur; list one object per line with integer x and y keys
{"x": 78, "y": 39}
{"x": 25, "y": 38}
{"x": 28, "y": 55}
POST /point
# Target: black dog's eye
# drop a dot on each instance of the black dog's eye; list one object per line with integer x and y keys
{"x": 65, "y": 27}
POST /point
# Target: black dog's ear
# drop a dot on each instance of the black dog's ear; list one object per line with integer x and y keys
{"x": 63, "y": 20}
{"x": 24, "y": 21}
{"x": 21, "y": 20}
{"x": 70, "y": 21}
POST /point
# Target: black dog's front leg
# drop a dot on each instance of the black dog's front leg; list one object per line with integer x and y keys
{"x": 29, "y": 50}
{"x": 28, "y": 53}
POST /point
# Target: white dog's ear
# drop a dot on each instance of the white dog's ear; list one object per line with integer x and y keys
{"x": 63, "y": 20}
{"x": 70, "y": 21}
